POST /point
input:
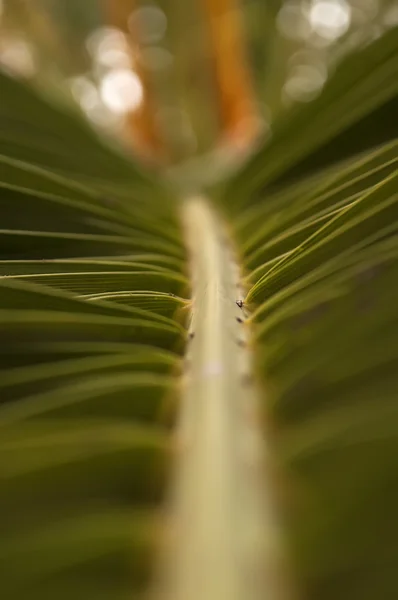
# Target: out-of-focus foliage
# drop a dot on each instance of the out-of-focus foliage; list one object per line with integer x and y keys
{"x": 297, "y": 44}
{"x": 74, "y": 49}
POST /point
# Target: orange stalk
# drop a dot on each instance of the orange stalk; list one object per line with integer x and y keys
{"x": 235, "y": 89}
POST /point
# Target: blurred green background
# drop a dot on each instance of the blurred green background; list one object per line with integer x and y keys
{"x": 73, "y": 50}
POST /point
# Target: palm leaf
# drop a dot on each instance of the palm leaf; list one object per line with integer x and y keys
{"x": 197, "y": 400}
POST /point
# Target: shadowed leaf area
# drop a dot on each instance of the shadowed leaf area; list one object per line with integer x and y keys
{"x": 94, "y": 295}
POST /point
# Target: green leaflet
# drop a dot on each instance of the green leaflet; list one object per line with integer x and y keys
{"x": 294, "y": 216}
{"x": 68, "y": 470}
{"x": 323, "y": 191}
{"x": 99, "y": 282}
{"x": 121, "y": 395}
{"x": 361, "y": 219}
{"x": 19, "y": 381}
{"x": 26, "y": 244}
{"x": 48, "y": 267}
{"x": 29, "y": 296}
{"x": 111, "y": 539}
{"x": 162, "y": 303}
{"x": 327, "y": 350}
{"x": 40, "y": 180}
{"x": 78, "y": 215}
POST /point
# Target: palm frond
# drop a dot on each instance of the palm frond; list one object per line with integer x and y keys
{"x": 119, "y": 427}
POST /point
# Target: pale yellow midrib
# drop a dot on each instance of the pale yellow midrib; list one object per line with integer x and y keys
{"x": 220, "y": 524}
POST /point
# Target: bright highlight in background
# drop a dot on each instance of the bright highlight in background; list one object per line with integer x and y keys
{"x": 330, "y": 18}
{"x": 121, "y": 91}
{"x": 109, "y": 47}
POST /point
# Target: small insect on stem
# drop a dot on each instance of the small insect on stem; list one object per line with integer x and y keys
{"x": 191, "y": 335}
{"x": 239, "y": 320}
{"x": 239, "y": 303}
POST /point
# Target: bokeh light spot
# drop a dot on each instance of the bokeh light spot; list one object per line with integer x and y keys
{"x": 121, "y": 91}
{"x": 330, "y": 18}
